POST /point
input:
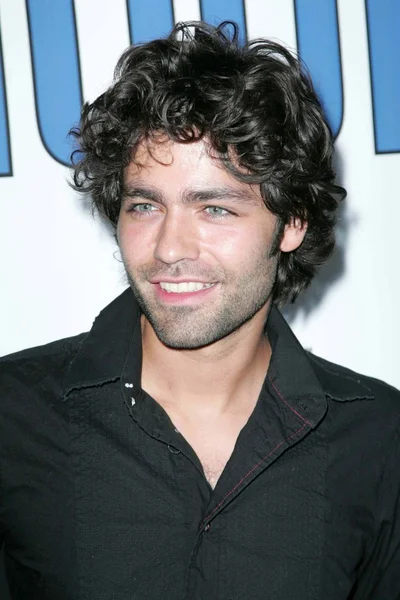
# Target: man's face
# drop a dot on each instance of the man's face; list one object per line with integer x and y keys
{"x": 196, "y": 244}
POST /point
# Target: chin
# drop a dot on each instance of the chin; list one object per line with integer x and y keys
{"x": 191, "y": 340}
{"x": 187, "y": 343}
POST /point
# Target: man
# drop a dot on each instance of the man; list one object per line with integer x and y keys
{"x": 187, "y": 446}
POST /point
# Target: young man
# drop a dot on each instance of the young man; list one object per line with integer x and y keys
{"x": 187, "y": 446}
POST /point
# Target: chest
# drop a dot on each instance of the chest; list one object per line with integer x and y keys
{"x": 212, "y": 441}
{"x": 132, "y": 512}
{"x": 151, "y": 502}
{"x": 272, "y": 499}
{"x": 213, "y": 455}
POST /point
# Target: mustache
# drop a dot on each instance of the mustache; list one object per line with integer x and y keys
{"x": 177, "y": 271}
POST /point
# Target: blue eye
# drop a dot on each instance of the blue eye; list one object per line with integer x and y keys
{"x": 142, "y": 209}
{"x": 217, "y": 212}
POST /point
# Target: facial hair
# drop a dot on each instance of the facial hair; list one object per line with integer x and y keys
{"x": 238, "y": 299}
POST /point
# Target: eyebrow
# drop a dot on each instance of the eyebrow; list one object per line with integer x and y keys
{"x": 192, "y": 196}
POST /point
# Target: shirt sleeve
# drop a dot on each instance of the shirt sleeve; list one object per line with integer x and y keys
{"x": 381, "y": 580}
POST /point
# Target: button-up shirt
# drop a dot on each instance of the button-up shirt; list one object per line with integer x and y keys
{"x": 101, "y": 498}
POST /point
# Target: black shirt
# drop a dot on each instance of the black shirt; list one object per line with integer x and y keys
{"x": 102, "y": 499}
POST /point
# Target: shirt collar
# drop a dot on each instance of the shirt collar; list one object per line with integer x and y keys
{"x": 290, "y": 375}
{"x": 111, "y": 347}
{"x": 112, "y": 350}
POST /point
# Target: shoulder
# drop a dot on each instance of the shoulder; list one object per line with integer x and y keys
{"x": 32, "y": 413}
{"x": 343, "y": 383}
{"x": 370, "y": 405}
{"x": 363, "y": 419}
{"x": 40, "y": 368}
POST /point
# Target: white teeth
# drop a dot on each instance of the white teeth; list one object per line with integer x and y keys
{"x": 184, "y": 287}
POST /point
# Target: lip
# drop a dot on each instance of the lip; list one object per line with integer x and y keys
{"x": 182, "y": 298}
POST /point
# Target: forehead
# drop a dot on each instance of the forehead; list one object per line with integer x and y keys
{"x": 163, "y": 152}
{"x": 170, "y": 166}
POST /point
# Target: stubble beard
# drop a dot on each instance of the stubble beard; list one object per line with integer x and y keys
{"x": 193, "y": 327}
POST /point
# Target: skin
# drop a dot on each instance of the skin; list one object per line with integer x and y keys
{"x": 205, "y": 355}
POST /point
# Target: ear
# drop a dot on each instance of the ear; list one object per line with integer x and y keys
{"x": 293, "y": 235}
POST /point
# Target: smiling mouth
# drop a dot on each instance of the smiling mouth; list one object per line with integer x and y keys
{"x": 184, "y": 287}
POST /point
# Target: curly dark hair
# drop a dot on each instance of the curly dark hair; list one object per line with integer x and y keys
{"x": 256, "y": 106}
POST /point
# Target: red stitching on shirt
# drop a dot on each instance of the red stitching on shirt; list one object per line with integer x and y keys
{"x": 251, "y": 470}
{"x": 288, "y": 405}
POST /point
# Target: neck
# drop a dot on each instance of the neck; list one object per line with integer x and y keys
{"x": 220, "y": 378}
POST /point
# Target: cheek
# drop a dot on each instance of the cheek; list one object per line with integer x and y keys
{"x": 134, "y": 241}
{"x": 238, "y": 246}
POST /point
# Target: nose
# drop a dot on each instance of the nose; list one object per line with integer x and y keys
{"x": 176, "y": 240}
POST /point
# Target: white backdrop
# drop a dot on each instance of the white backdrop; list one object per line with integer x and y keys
{"x": 59, "y": 266}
